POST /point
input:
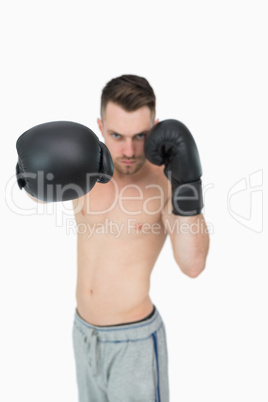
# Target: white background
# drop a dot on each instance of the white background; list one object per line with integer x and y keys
{"x": 207, "y": 62}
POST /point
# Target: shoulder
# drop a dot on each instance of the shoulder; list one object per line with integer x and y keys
{"x": 155, "y": 174}
{"x": 157, "y": 184}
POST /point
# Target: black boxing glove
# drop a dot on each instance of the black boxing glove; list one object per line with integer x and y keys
{"x": 61, "y": 161}
{"x": 171, "y": 143}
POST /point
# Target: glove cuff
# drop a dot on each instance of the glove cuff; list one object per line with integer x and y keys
{"x": 187, "y": 198}
{"x": 106, "y": 165}
{"x": 20, "y": 177}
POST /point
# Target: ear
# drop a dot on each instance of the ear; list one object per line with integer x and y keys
{"x": 100, "y": 125}
{"x": 156, "y": 121}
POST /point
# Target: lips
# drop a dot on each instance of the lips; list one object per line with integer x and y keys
{"x": 128, "y": 162}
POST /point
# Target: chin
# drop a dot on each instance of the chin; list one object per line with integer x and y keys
{"x": 128, "y": 170}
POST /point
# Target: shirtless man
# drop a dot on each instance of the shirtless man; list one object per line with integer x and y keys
{"x": 119, "y": 336}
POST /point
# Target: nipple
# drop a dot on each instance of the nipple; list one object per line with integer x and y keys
{"x": 139, "y": 226}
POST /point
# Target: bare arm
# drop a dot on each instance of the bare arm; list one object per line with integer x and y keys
{"x": 189, "y": 238}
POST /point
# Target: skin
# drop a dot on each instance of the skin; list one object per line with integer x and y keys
{"x": 122, "y": 226}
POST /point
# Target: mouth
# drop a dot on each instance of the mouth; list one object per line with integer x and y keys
{"x": 128, "y": 162}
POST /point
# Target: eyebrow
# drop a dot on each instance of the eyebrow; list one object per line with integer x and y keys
{"x": 122, "y": 135}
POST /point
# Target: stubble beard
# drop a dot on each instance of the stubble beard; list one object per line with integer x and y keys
{"x": 131, "y": 169}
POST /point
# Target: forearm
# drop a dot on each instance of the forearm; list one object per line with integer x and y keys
{"x": 190, "y": 241}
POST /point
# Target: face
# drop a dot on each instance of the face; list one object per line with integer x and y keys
{"x": 124, "y": 134}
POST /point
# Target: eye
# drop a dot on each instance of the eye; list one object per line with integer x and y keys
{"x": 116, "y": 136}
{"x": 140, "y": 136}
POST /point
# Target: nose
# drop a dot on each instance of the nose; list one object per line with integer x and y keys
{"x": 128, "y": 149}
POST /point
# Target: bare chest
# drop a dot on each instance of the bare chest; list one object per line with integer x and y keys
{"x": 122, "y": 210}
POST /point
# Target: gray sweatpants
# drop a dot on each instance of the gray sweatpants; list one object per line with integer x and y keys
{"x": 126, "y": 363}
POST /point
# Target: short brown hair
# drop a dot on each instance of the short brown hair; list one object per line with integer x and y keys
{"x": 131, "y": 92}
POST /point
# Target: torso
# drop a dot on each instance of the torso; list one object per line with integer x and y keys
{"x": 118, "y": 242}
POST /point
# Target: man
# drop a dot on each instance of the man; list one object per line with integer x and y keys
{"x": 119, "y": 336}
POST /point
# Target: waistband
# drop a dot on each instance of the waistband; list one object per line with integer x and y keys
{"x": 128, "y": 332}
